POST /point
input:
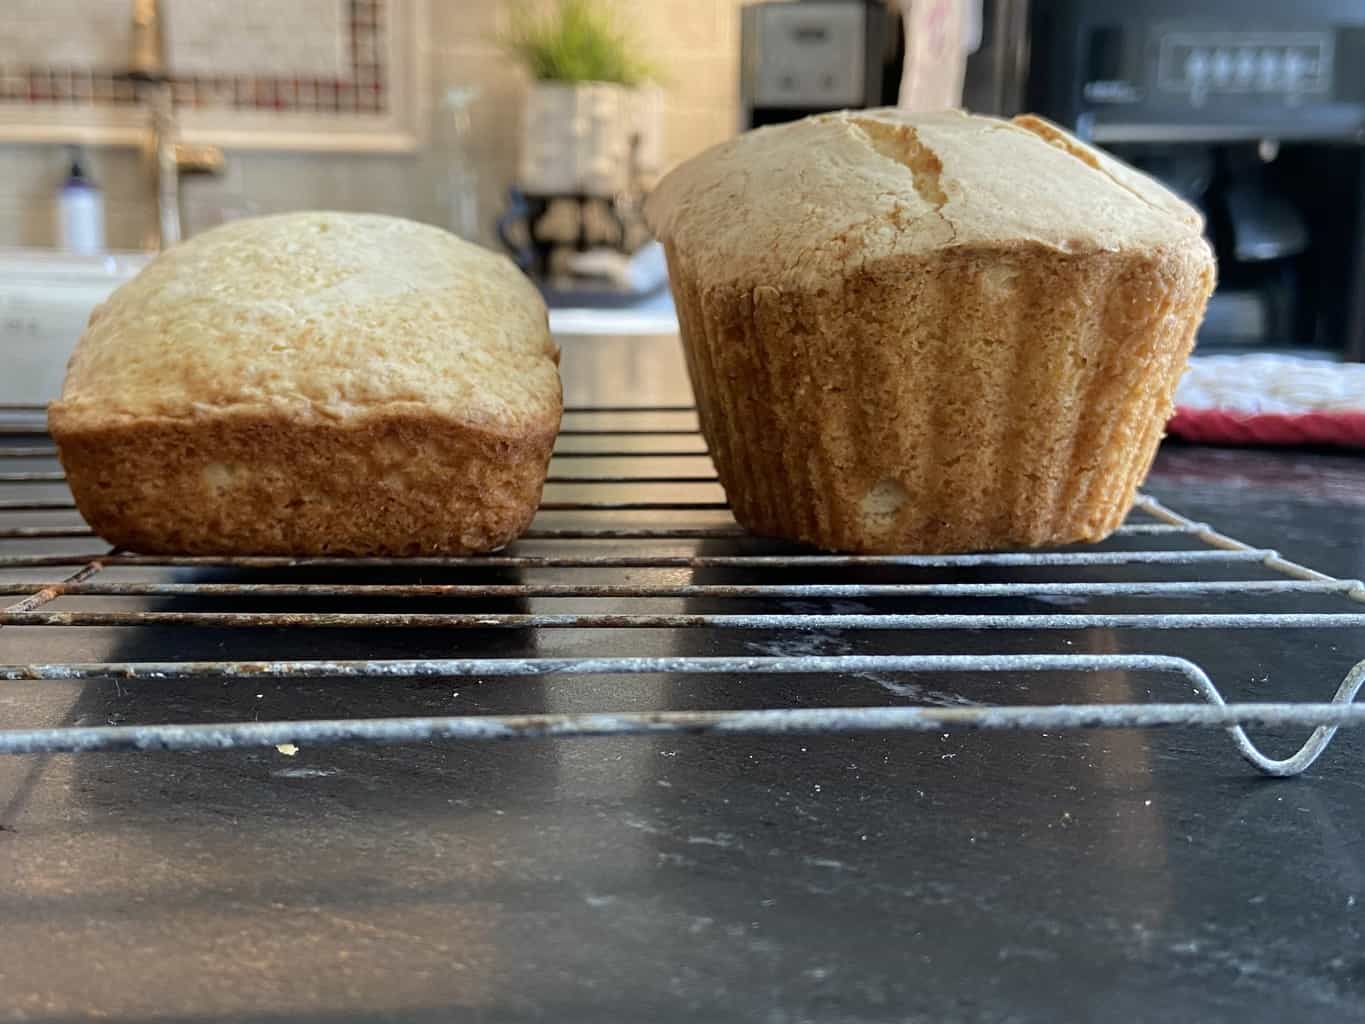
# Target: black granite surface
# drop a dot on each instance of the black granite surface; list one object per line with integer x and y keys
{"x": 1112, "y": 876}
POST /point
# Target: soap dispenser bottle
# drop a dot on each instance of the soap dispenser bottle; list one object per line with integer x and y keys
{"x": 80, "y": 209}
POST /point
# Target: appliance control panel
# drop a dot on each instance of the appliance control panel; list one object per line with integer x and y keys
{"x": 1287, "y": 65}
{"x": 1216, "y": 71}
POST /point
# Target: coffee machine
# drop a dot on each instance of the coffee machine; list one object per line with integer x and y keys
{"x": 1253, "y": 110}
{"x": 816, "y": 55}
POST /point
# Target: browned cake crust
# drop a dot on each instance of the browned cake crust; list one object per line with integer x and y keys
{"x": 313, "y": 383}
{"x": 395, "y": 483}
{"x": 929, "y": 332}
{"x": 974, "y": 435}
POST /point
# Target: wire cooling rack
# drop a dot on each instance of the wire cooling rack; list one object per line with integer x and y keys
{"x": 682, "y": 538}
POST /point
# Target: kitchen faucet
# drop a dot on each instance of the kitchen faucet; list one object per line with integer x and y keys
{"x": 165, "y": 157}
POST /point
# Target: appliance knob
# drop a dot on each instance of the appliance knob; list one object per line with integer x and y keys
{"x": 1197, "y": 67}
{"x": 1270, "y": 69}
{"x": 1222, "y": 67}
{"x": 1295, "y": 64}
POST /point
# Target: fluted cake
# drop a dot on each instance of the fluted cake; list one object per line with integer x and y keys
{"x": 929, "y": 332}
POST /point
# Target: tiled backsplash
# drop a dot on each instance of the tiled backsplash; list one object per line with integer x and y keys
{"x": 299, "y": 56}
{"x": 301, "y": 38}
{"x": 696, "y": 43}
{"x": 207, "y": 37}
{"x": 63, "y": 33}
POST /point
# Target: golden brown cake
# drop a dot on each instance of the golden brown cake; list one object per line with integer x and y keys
{"x": 313, "y": 383}
{"x": 929, "y": 332}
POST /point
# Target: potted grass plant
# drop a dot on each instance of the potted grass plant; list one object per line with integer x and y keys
{"x": 593, "y": 116}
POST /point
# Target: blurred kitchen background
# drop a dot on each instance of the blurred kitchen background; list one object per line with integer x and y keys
{"x": 537, "y": 127}
{"x": 317, "y": 103}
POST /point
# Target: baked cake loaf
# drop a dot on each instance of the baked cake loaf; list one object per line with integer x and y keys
{"x": 929, "y": 332}
{"x": 313, "y": 383}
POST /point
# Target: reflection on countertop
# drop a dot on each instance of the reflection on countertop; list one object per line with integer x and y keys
{"x": 1308, "y": 504}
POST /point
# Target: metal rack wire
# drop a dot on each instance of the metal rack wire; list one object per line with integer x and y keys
{"x": 77, "y": 575}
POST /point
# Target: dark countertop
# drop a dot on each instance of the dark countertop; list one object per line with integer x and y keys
{"x": 974, "y": 877}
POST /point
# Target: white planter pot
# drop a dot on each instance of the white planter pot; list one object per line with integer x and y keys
{"x": 576, "y": 137}
{"x": 647, "y": 123}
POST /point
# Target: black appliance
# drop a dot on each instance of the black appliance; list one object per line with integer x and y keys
{"x": 805, "y": 58}
{"x": 1252, "y": 109}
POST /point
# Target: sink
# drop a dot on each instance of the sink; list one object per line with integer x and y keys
{"x": 46, "y": 298}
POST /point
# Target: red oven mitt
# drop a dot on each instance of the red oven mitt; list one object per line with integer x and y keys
{"x": 1270, "y": 400}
